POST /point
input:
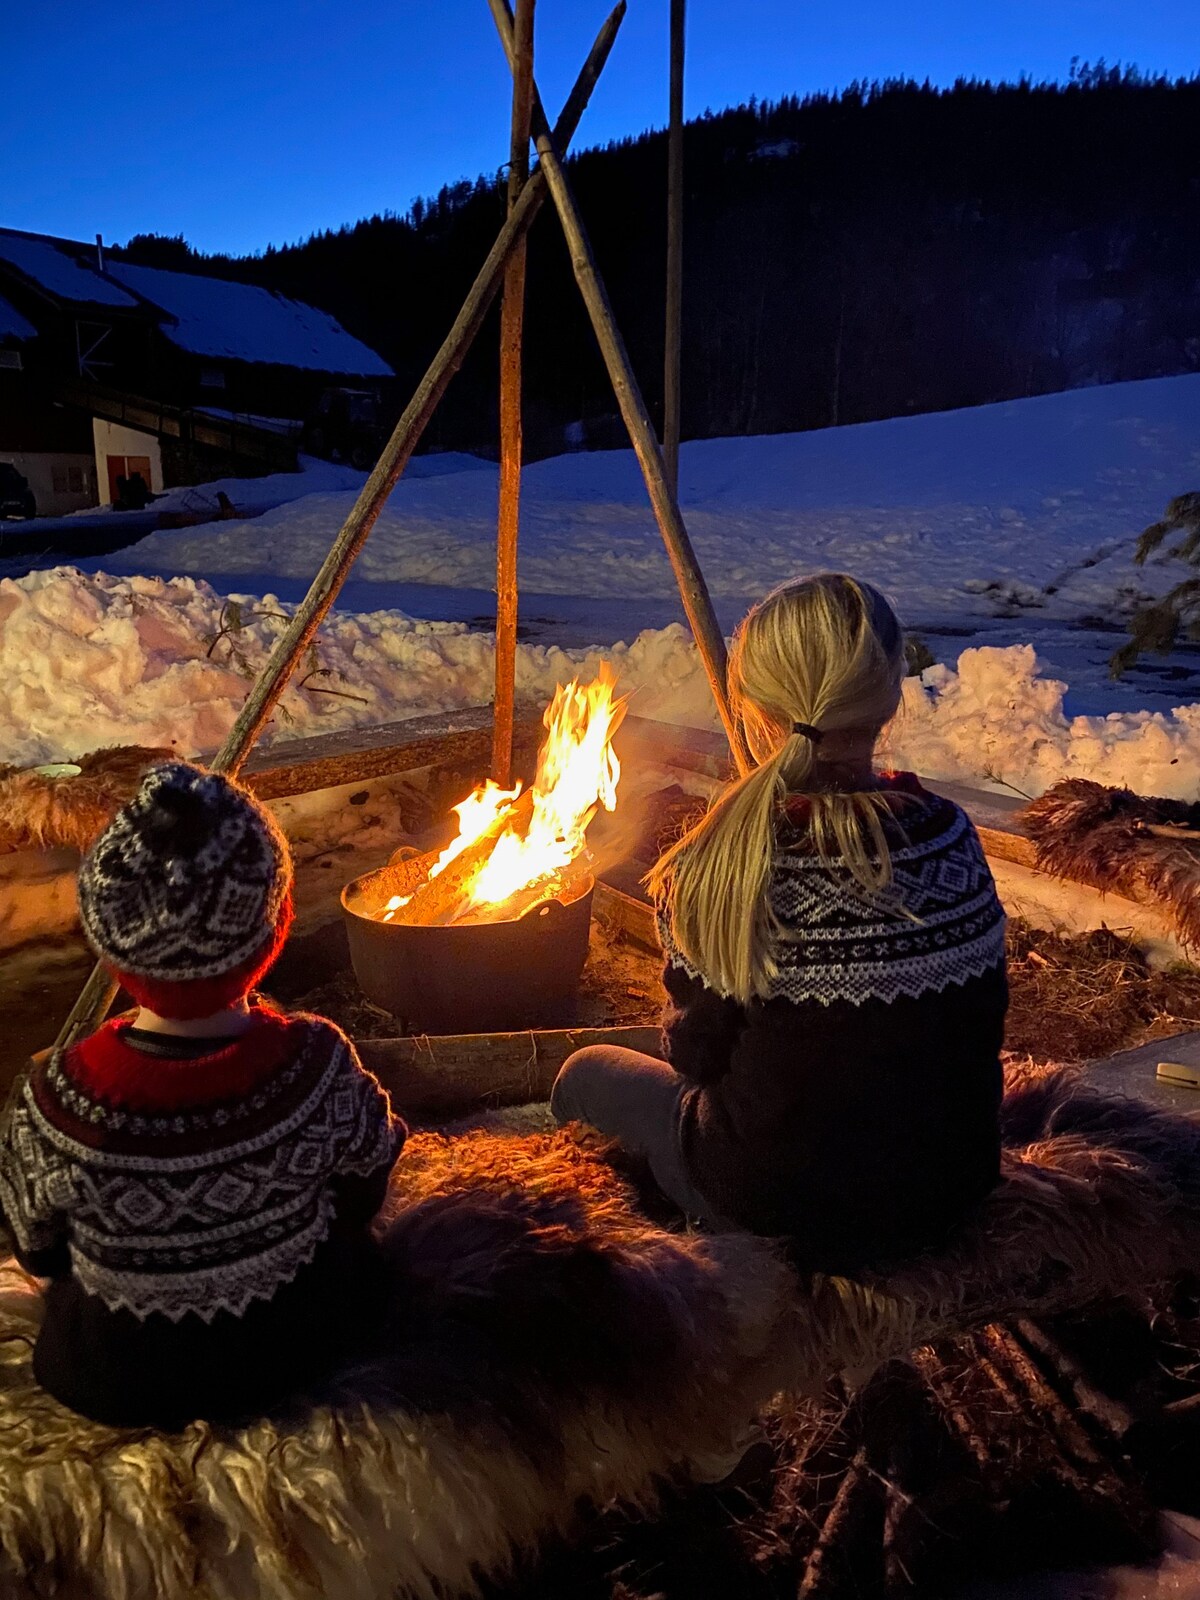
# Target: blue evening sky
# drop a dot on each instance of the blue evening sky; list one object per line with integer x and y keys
{"x": 246, "y": 122}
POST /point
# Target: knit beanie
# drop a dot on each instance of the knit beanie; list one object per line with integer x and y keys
{"x": 186, "y": 895}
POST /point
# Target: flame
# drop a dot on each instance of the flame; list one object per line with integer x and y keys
{"x": 577, "y": 773}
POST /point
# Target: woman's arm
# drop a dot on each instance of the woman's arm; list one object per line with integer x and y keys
{"x": 700, "y": 1027}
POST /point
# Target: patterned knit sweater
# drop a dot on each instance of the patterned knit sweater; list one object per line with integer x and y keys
{"x": 855, "y": 1107}
{"x": 202, "y": 1218}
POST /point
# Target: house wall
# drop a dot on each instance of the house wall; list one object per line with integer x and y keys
{"x": 61, "y": 480}
{"x": 114, "y": 439}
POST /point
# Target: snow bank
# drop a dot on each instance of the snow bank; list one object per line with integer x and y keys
{"x": 90, "y": 660}
{"x": 976, "y": 512}
{"x": 996, "y": 721}
{"x": 93, "y": 660}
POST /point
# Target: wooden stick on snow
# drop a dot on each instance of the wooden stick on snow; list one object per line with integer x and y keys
{"x": 696, "y": 601}
{"x": 512, "y": 320}
{"x": 672, "y": 398}
{"x": 99, "y": 992}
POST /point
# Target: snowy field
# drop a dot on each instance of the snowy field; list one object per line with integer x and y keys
{"x": 964, "y": 512}
{"x": 1003, "y": 533}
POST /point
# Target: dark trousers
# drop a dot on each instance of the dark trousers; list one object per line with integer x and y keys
{"x": 639, "y": 1102}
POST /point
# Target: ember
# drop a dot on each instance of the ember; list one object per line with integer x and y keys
{"x": 512, "y": 850}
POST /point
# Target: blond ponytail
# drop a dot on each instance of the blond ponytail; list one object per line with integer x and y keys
{"x": 824, "y": 653}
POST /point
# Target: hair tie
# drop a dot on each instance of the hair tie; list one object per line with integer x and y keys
{"x": 807, "y": 731}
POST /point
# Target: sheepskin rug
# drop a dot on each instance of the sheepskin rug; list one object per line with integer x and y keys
{"x": 38, "y": 812}
{"x": 554, "y": 1350}
{"x": 1104, "y": 837}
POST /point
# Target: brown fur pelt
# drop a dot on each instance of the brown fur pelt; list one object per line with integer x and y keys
{"x": 1098, "y": 835}
{"x": 41, "y": 813}
{"x": 551, "y": 1351}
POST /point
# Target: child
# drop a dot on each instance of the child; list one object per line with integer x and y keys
{"x": 835, "y": 966}
{"x": 198, "y": 1182}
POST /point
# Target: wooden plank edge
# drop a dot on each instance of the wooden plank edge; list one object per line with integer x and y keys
{"x": 331, "y": 760}
{"x": 629, "y": 915}
{"x": 451, "y": 1073}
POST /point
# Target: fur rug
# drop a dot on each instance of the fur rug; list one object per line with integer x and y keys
{"x": 555, "y": 1351}
{"x": 1101, "y": 836}
{"x": 40, "y": 813}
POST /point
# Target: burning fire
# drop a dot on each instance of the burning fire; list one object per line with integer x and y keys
{"x": 537, "y": 836}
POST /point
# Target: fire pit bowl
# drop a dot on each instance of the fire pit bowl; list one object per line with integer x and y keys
{"x": 493, "y": 977}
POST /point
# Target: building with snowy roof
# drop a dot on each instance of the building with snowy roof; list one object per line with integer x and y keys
{"x": 109, "y": 368}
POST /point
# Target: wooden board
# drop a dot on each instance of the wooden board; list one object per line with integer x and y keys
{"x": 457, "y": 1073}
{"x": 623, "y": 905}
{"x": 326, "y": 761}
{"x": 668, "y": 744}
{"x": 1135, "y": 1072}
{"x": 329, "y": 760}
{"x": 995, "y": 819}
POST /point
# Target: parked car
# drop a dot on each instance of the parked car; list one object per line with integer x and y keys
{"x": 16, "y": 497}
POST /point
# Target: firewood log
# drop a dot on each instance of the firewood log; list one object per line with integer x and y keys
{"x": 437, "y": 902}
{"x": 851, "y": 1536}
{"x": 554, "y": 887}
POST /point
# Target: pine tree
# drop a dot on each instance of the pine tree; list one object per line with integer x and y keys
{"x": 1157, "y": 627}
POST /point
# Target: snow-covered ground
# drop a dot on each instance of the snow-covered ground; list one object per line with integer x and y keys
{"x": 962, "y": 513}
{"x": 1004, "y": 534}
{"x": 280, "y": 494}
{"x": 250, "y": 495}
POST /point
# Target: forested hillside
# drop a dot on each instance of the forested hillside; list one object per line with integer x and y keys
{"x": 896, "y": 248}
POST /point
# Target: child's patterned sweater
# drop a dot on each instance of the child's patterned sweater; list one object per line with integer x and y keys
{"x": 201, "y": 1208}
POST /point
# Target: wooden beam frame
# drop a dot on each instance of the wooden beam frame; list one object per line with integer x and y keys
{"x": 512, "y": 335}
{"x": 672, "y": 342}
{"x": 99, "y": 993}
{"x": 697, "y": 603}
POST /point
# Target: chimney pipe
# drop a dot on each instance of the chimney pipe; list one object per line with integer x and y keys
{"x": 100, "y": 252}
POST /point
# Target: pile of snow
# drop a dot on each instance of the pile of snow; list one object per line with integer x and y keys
{"x": 92, "y": 660}
{"x": 255, "y": 495}
{"x": 996, "y": 722}
{"x": 1028, "y": 506}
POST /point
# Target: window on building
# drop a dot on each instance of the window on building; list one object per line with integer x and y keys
{"x": 10, "y": 361}
{"x": 212, "y": 378}
{"x": 70, "y": 480}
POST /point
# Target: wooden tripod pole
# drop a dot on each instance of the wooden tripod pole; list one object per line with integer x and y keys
{"x": 696, "y": 601}
{"x": 99, "y": 992}
{"x": 672, "y": 396}
{"x": 512, "y": 323}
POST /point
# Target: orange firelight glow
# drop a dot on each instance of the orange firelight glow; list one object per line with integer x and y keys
{"x": 577, "y": 773}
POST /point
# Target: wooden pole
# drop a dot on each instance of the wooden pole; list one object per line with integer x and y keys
{"x": 99, "y": 992}
{"x": 512, "y": 319}
{"x": 672, "y": 398}
{"x": 696, "y": 601}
